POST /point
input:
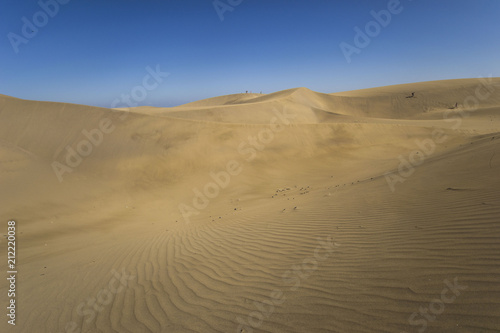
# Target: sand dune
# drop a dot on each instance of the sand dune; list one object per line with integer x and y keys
{"x": 344, "y": 212}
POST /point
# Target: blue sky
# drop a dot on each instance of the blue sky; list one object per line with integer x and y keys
{"x": 92, "y": 51}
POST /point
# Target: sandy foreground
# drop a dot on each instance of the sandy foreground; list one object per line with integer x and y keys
{"x": 360, "y": 211}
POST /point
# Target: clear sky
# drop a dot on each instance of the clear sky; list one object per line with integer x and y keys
{"x": 92, "y": 51}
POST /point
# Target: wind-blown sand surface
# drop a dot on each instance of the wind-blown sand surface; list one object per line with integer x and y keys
{"x": 308, "y": 236}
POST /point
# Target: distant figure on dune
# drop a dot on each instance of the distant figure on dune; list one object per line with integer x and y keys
{"x": 411, "y": 96}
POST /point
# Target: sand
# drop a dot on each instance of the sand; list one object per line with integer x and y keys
{"x": 359, "y": 211}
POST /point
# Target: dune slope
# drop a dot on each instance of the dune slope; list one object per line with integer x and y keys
{"x": 362, "y": 211}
